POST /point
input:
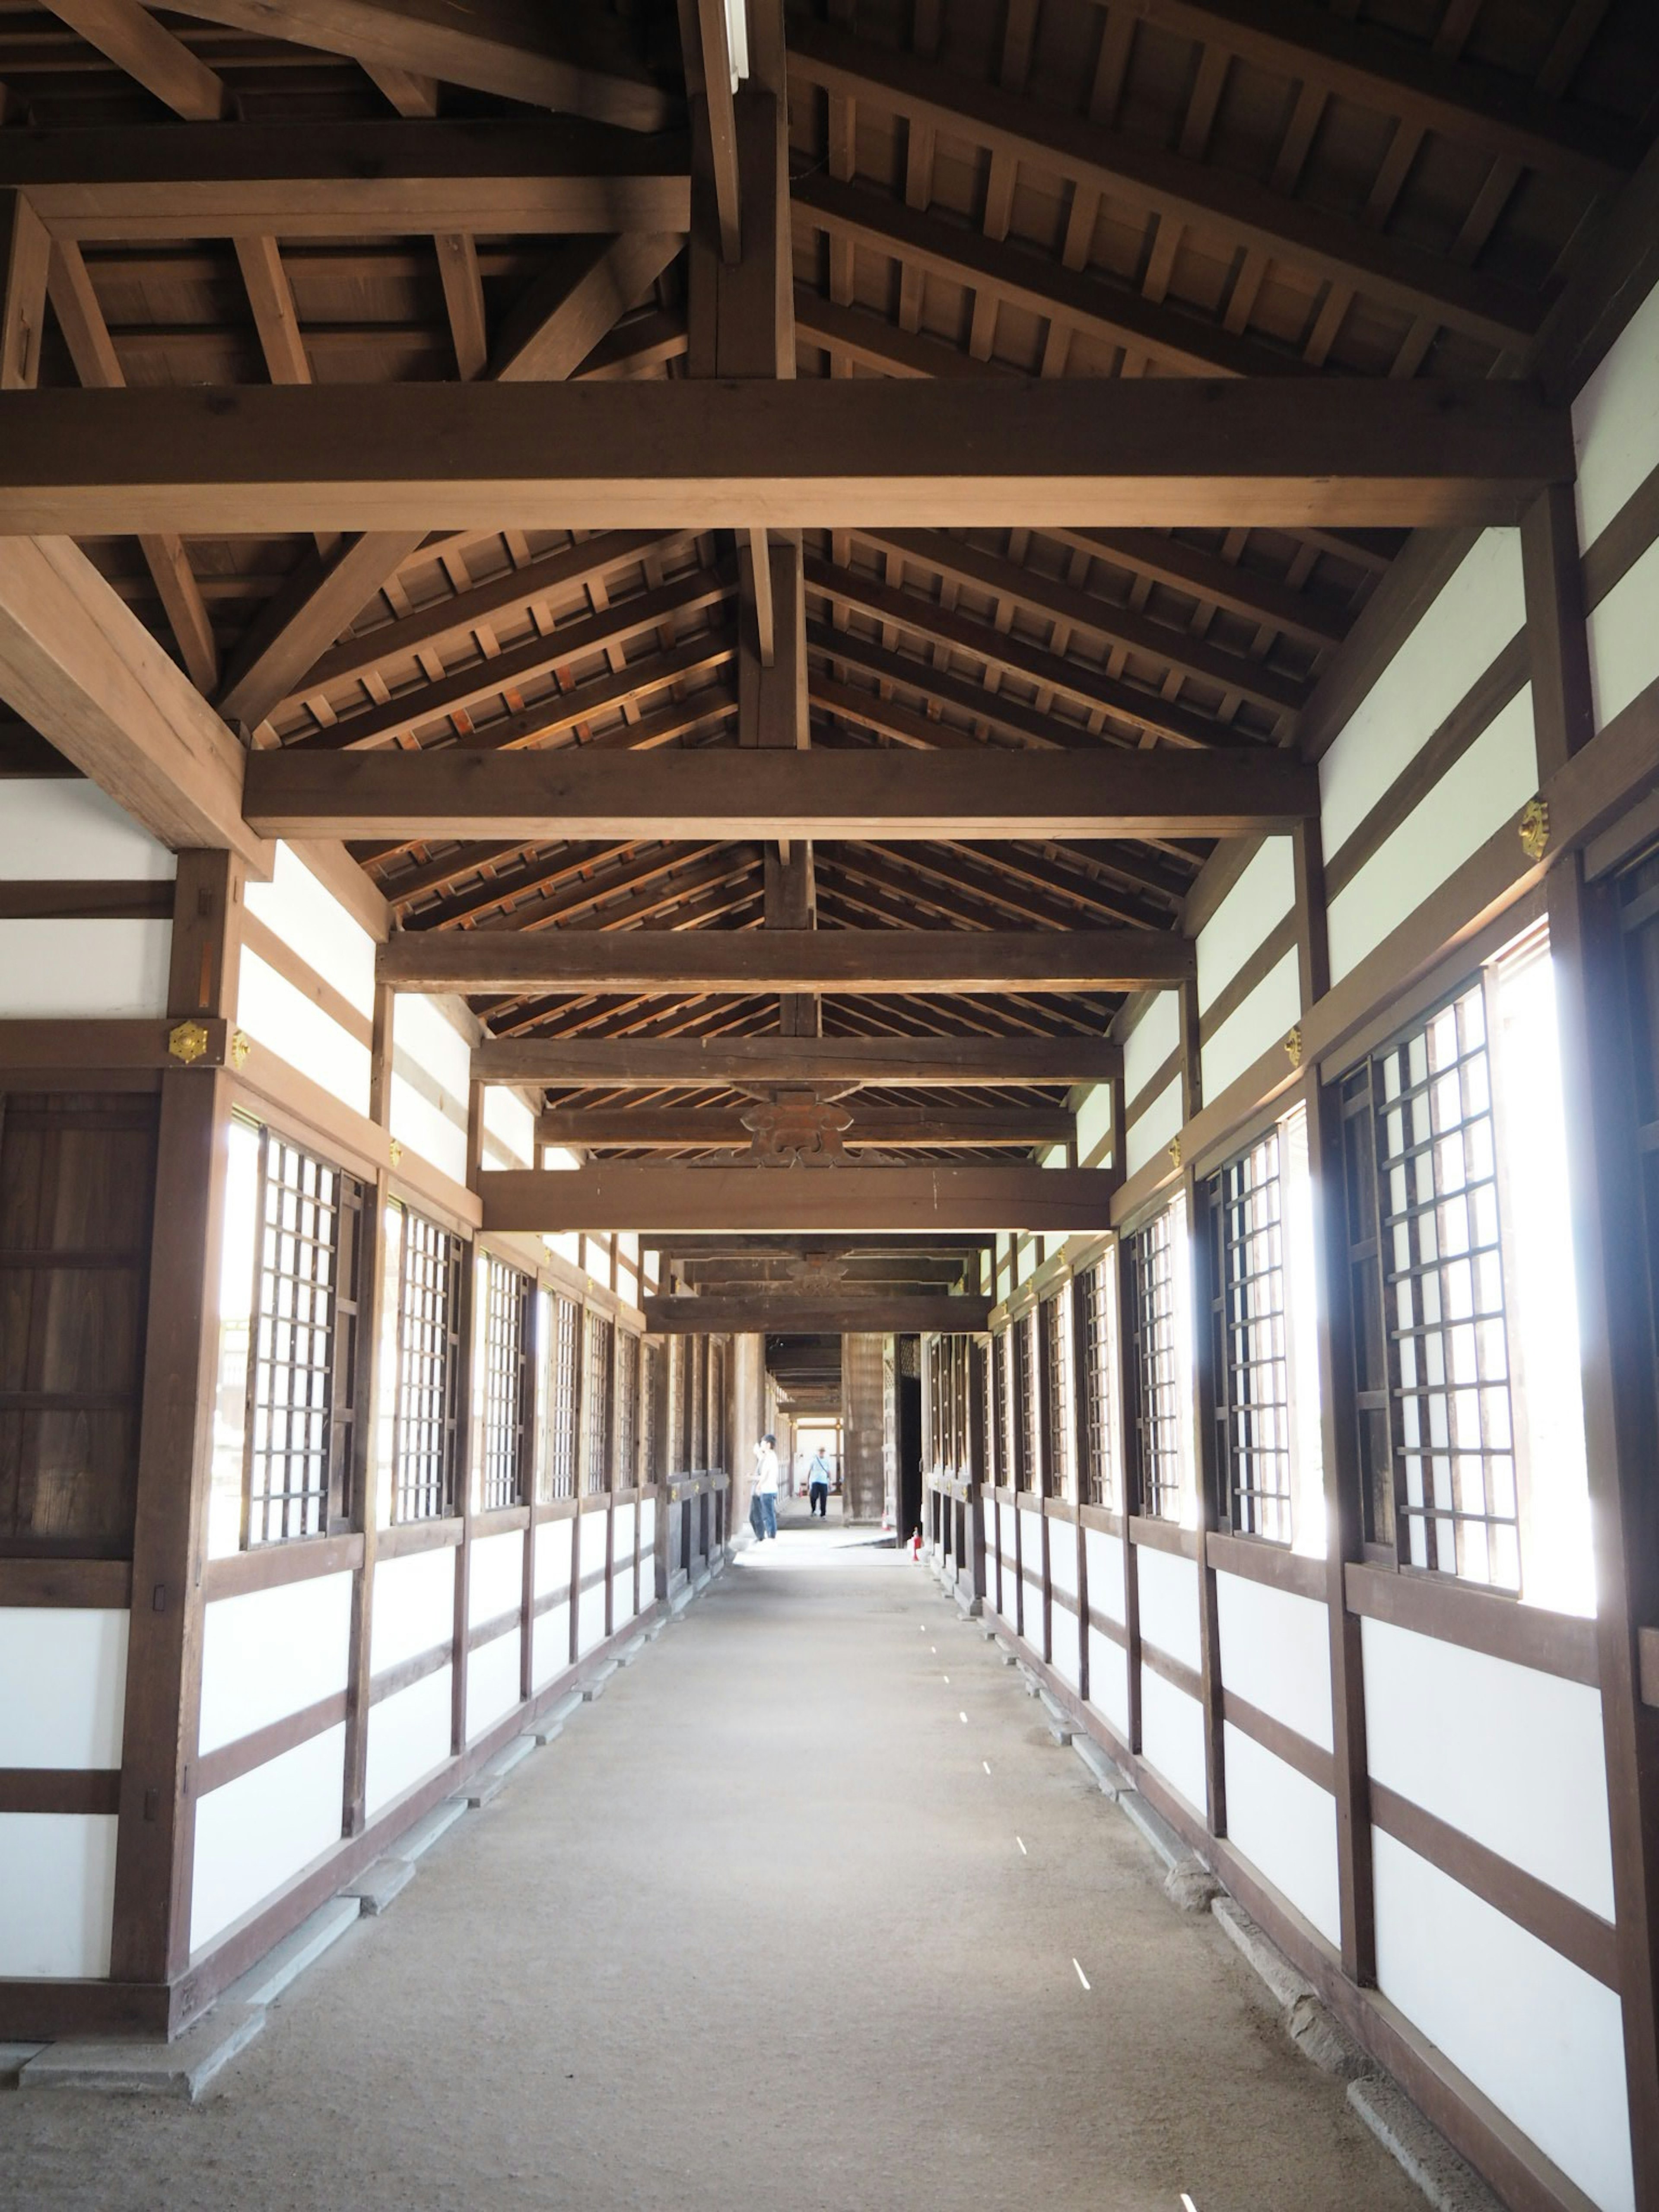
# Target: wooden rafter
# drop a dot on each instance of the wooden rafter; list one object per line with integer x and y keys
{"x": 657, "y": 1062}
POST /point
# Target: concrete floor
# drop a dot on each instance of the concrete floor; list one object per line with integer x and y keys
{"x": 758, "y": 1932}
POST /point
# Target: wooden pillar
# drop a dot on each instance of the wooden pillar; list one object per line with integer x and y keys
{"x": 1206, "y": 1473}
{"x": 1615, "y": 1314}
{"x": 365, "y": 1430}
{"x": 156, "y": 1827}
{"x": 465, "y": 1431}
{"x": 1129, "y": 1500}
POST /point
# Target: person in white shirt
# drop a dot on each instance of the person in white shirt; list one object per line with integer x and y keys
{"x": 764, "y": 1501}
{"x": 818, "y": 1485}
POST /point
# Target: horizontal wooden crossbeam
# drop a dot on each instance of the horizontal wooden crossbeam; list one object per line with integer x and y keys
{"x": 763, "y": 1062}
{"x": 548, "y": 796}
{"x": 773, "y": 1312}
{"x": 670, "y": 1128}
{"x": 165, "y": 181}
{"x": 814, "y": 453}
{"x": 625, "y": 1196}
{"x": 979, "y": 962}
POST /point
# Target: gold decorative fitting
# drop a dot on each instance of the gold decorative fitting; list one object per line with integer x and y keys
{"x": 394, "y": 1151}
{"x": 1174, "y": 1151}
{"x": 188, "y": 1041}
{"x": 1293, "y": 1045}
{"x": 1534, "y": 828}
{"x": 240, "y": 1045}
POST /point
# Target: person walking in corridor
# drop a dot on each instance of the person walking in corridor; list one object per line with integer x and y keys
{"x": 818, "y": 1485}
{"x": 766, "y": 1485}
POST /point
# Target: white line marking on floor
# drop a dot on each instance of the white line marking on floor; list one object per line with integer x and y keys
{"x": 947, "y": 1677}
{"x": 1024, "y": 1853}
{"x": 1081, "y": 1976}
{"x": 1187, "y": 2203}
{"x": 986, "y": 1764}
{"x": 963, "y": 1718}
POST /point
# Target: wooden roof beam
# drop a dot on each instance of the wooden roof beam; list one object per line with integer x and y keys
{"x": 1143, "y": 452}
{"x": 626, "y": 1195}
{"x": 660, "y": 1128}
{"x": 130, "y": 37}
{"x": 882, "y": 1310}
{"x": 747, "y": 1063}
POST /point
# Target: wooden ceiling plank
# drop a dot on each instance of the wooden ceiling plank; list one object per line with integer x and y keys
{"x": 1146, "y": 452}
{"x": 1203, "y": 576}
{"x": 130, "y": 36}
{"x": 854, "y": 334}
{"x": 659, "y": 1127}
{"x": 1145, "y": 175}
{"x": 745, "y": 1063}
{"x": 323, "y": 595}
{"x": 557, "y": 325}
{"x": 571, "y": 60}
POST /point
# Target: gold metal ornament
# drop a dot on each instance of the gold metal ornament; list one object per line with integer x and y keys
{"x": 240, "y": 1045}
{"x": 1174, "y": 1151}
{"x": 395, "y": 1150}
{"x": 188, "y": 1041}
{"x": 1534, "y": 828}
{"x": 1293, "y": 1045}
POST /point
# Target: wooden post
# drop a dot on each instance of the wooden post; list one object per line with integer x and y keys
{"x": 156, "y": 1826}
{"x": 1206, "y": 1473}
{"x": 466, "y": 1454}
{"x": 365, "y": 1430}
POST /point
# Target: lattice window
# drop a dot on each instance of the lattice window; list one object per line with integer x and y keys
{"x": 600, "y": 1353}
{"x": 507, "y": 1384}
{"x": 1157, "y": 1368}
{"x": 1096, "y": 1415}
{"x": 1053, "y": 1330}
{"x": 429, "y": 1372}
{"x": 1027, "y": 1447}
{"x": 651, "y": 1414}
{"x": 564, "y": 1397}
{"x": 301, "y": 1354}
{"x": 1250, "y": 1353}
{"x": 628, "y": 1402}
{"x": 1441, "y": 1258}
{"x": 1002, "y": 1419}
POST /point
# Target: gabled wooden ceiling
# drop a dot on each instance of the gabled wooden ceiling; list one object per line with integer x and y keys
{"x": 986, "y": 188}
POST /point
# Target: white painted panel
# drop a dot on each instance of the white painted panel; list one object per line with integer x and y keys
{"x": 1167, "y": 1584}
{"x": 509, "y": 1128}
{"x": 497, "y": 1578}
{"x": 1172, "y": 1736}
{"x": 622, "y": 1596}
{"x": 1474, "y": 799}
{"x": 1257, "y": 902}
{"x": 420, "y": 1126}
{"x": 1030, "y": 1546}
{"x": 57, "y": 969}
{"x": 549, "y": 1648}
{"x": 1109, "y": 1681}
{"x": 57, "y": 1894}
{"x": 553, "y": 1555}
{"x": 282, "y": 1018}
{"x": 65, "y": 1675}
{"x": 1150, "y": 1041}
{"x": 1479, "y": 609}
{"x": 313, "y": 923}
{"x": 590, "y": 1628}
{"x": 257, "y": 1832}
{"x": 414, "y": 1606}
{"x": 1150, "y": 1133}
{"x": 1513, "y": 1759}
{"x": 1624, "y": 638}
{"x": 1104, "y": 1557}
{"x": 1285, "y": 1825}
{"x": 1066, "y": 1645}
{"x": 1261, "y": 1021}
{"x": 1276, "y": 1654}
{"x": 492, "y": 1683}
{"x": 271, "y": 1653}
{"x": 1062, "y": 1557}
{"x": 1615, "y": 422}
{"x": 1540, "y": 2037}
{"x": 621, "y": 1533}
{"x": 1094, "y": 1118}
{"x": 647, "y": 1534}
{"x": 62, "y": 827}
{"x": 408, "y": 1736}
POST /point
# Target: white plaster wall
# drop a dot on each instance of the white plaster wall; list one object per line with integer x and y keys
{"x": 1624, "y": 638}
{"x": 57, "y": 1894}
{"x": 1062, "y": 1557}
{"x": 1506, "y": 1755}
{"x": 311, "y": 922}
{"x": 1285, "y": 1825}
{"x": 549, "y": 1644}
{"x": 1615, "y": 422}
{"x": 408, "y": 1737}
{"x": 414, "y": 1606}
{"x": 1474, "y": 799}
{"x": 590, "y": 1620}
{"x": 65, "y": 1670}
{"x": 622, "y": 1536}
{"x": 1030, "y": 1564}
{"x": 497, "y": 1576}
{"x": 104, "y": 970}
{"x": 429, "y": 1112}
{"x": 552, "y": 1556}
{"x": 256, "y": 1833}
{"x": 1167, "y": 1585}
{"x": 1172, "y": 1736}
{"x": 648, "y": 1540}
{"x": 1257, "y": 902}
{"x": 1275, "y": 1653}
{"x": 1105, "y": 1562}
{"x": 510, "y": 1126}
{"x": 1149, "y": 1134}
{"x": 1261, "y": 1021}
{"x": 272, "y": 1653}
{"x": 417, "y": 1123}
{"x": 1066, "y": 1645}
{"x": 65, "y": 828}
{"x": 282, "y": 1018}
{"x": 1150, "y": 1041}
{"x": 1109, "y": 1681}
{"x": 1094, "y": 1118}
{"x": 492, "y": 1682}
{"x": 1479, "y": 609}
{"x": 1538, "y": 2035}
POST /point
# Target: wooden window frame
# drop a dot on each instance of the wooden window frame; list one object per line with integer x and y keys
{"x": 508, "y": 1385}
{"x": 1249, "y": 1293}
{"x": 1153, "y": 1341}
{"x": 1100, "y": 1478}
{"x": 443, "y": 1486}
